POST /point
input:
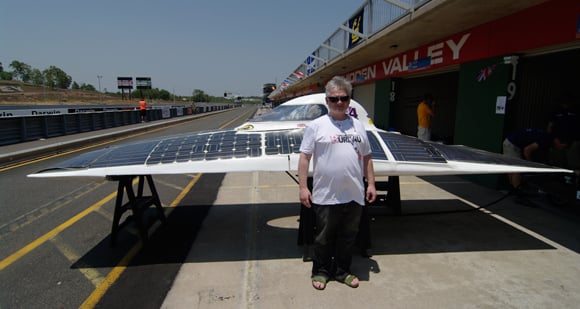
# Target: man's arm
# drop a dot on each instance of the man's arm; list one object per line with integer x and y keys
{"x": 529, "y": 150}
{"x": 303, "y": 165}
{"x": 369, "y": 171}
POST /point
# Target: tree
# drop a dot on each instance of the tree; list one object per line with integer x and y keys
{"x": 4, "y": 75}
{"x": 155, "y": 93}
{"x": 56, "y": 78}
{"x": 21, "y": 70}
{"x": 87, "y": 87}
{"x": 36, "y": 77}
{"x": 164, "y": 95}
{"x": 200, "y": 96}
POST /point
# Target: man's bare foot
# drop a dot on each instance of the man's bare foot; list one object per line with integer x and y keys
{"x": 319, "y": 282}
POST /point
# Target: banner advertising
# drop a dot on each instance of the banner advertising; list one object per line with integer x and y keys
{"x": 125, "y": 82}
{"x": 143, "y": 82}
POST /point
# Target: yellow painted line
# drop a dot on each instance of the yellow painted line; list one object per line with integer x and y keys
{"x": 90, "y": 273}
{"x": 100, "y": 291}
{"x": 93, "y": 299}
{"x": 181, "y": 195}
{"x": 233, "y": 120}
{"x": 39, "y": 241}
{"x": 40, "y": 212}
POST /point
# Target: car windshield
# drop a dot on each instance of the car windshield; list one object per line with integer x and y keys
{"x": 293, "y": 113}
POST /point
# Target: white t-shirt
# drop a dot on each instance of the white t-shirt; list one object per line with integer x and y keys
{"x": 337, "y": 149}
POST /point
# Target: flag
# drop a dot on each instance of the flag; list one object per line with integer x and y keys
{"x": 310, "y": 64}
{"x": 356, "y": 24}
{"x": 299, "y": 74}
{"x": 484, "y": 73}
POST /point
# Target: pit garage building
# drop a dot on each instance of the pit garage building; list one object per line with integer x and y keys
{"x": 492, "y": 66}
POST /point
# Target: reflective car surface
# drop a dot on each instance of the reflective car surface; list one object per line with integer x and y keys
{"x": 293, "y": 113}
{"x": 297, "y": 112}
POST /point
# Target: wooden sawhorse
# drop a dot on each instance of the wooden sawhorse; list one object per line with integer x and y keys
{"x": 138, "y": 204}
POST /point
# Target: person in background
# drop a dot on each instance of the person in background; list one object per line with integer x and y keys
{"x": 524, "y": 144}
{"x": 565, "y": 121}
{"x": 143, "y": 109}
{"x": 425, "y": 113}
{"x": 339, "y": 146}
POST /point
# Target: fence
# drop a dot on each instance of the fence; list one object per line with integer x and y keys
{"x": 15, "y": 130}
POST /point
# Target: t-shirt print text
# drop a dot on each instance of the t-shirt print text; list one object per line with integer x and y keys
{"x": 345, "y": 138}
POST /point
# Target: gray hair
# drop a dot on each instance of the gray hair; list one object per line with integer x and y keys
{"x": 338, "y": 82}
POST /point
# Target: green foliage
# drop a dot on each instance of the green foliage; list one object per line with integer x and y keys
{"x": 156, "y": 94}
{"x": 56, "y": 78}
{"x": 36, "y": 77}
{"x": 6, "y": 75}
{"x": 164, "y": 95}
{"x": 21, "y": 70}
{"x": 86, "y": 87}
{"x": 200, "y": 96}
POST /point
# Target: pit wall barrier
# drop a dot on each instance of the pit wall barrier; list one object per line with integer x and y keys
{"x": 14, "y": 130}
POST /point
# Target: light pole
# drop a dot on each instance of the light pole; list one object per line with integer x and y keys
{"x": 99, "y": 78}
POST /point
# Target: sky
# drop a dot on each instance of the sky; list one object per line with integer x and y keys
{"x": 212, "y": 45}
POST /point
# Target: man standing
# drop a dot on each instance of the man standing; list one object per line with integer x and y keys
{"x": 342, "y": 158}
{"x": 143, "y": 109}
{"x": 425, "y": 113}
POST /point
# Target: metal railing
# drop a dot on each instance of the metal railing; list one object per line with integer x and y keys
{"x": 378, "y": 14}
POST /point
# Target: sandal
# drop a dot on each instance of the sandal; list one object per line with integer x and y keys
{"x": 348, "y": 280}
{"x": 321, "y": 280}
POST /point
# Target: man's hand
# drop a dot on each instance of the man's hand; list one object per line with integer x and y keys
{"x": 371, "y": 195}
{"x": 305, "y": 197}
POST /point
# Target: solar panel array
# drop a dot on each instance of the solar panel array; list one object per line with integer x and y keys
{"x": 406, "y": 148}
{"x": 225, "y": 145}
{"x": 283, "y": 142}
{"x": 377, "y": 152}
{"x": 229, "y": 144}
{"x": 465, "y": 154}
{"x": 206, "y": 146}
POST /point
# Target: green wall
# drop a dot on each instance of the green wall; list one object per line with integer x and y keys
{"x": 382, "y": 103}
{"x": 476, "y": 122}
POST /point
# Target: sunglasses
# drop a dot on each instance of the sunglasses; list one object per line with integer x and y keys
{"x": 342, "y": 99}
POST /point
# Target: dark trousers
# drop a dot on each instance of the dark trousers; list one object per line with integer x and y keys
{"x": 336, "y": 231}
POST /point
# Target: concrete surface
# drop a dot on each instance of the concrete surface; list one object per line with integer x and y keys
{"x": 246, "y": 254}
